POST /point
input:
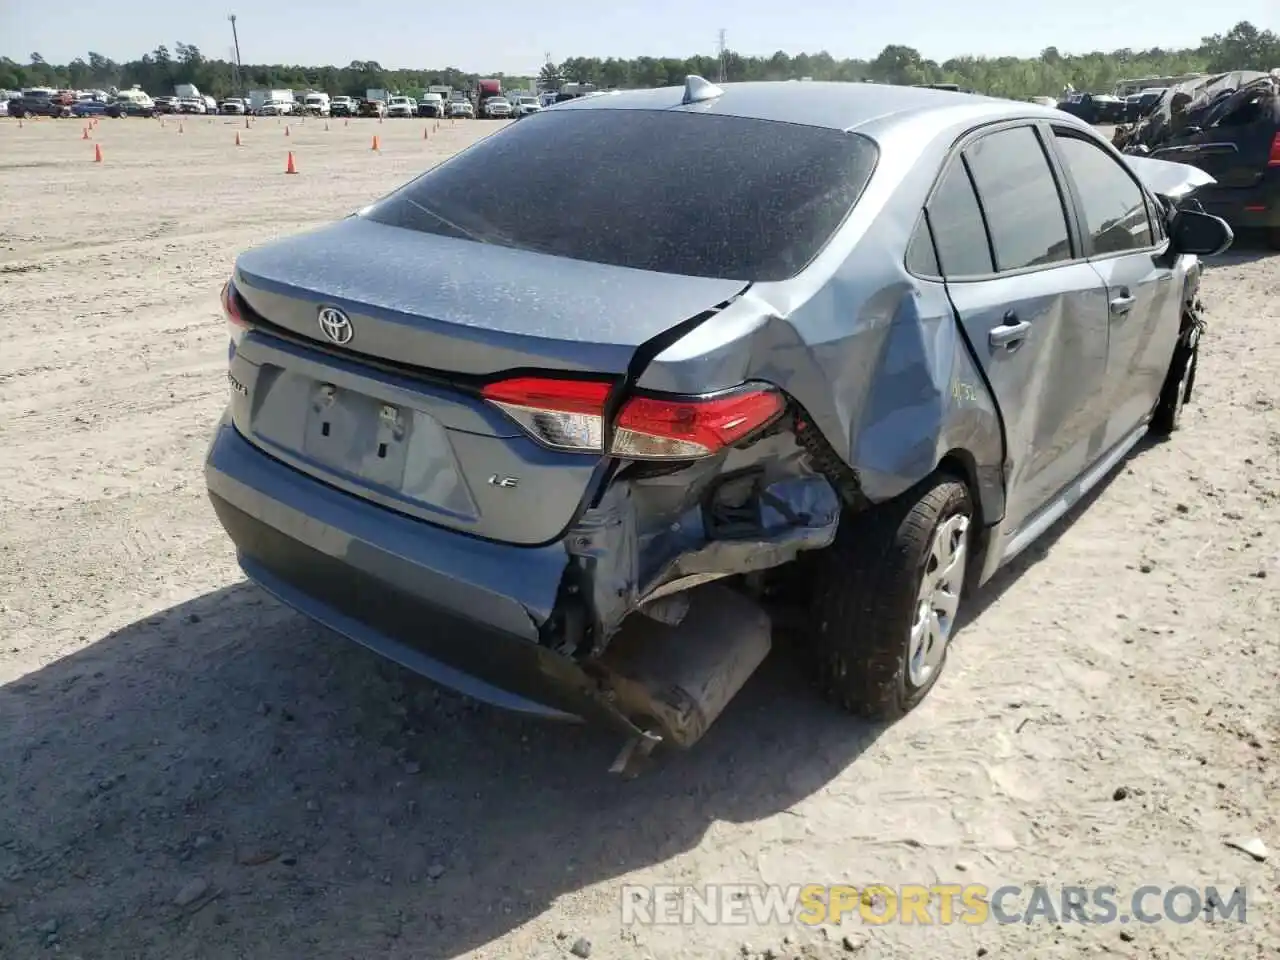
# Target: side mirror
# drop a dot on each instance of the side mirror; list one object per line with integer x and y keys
{"x": 1200, "y": 233}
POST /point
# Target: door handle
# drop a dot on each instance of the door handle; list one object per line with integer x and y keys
{"x": 1009, "y": 334}
{"x": 1122, "y": 305}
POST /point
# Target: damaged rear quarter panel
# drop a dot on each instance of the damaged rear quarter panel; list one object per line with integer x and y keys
{"x": 872, "y": 354}
{"x": 655, "y": 532}
{"x": 875, "y": 360}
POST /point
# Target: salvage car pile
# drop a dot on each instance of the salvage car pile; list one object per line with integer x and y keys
{"x": 1229, "y": 126}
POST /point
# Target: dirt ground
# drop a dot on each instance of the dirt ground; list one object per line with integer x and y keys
{"x": 188, "y": 769}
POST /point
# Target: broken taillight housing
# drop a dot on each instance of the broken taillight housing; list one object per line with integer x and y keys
{"x": 237, "y": 325}
{"x": 570, "y": 415}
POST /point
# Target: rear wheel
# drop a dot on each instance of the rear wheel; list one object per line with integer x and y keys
{"x": 886, "y": 597}
{"x": 1177, "y": 385}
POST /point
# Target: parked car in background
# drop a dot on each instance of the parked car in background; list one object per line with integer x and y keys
{"x": 524, "y": 105}
{"x": 1109, "y": 109}
{"x": 496, "y": 108}
{"x": 461, "y": 110}
{"x": 431, "y": 105}
{"x": 342, "y": 107}
{"x": 401, "y": 107}
{"x": 89, "y": 106}
{"x": 131, "y": 103}
{"x": 166, "y": 104}
{"x": 232, "y": 106}
{"x": 966, "y": 312}
{"x": 40, "y": 102}
{"x": 1138, "y": 105}
{"x": 317, "y": 105}
{"x": 373, "y": 108}
{"x": 191, "y": 105}
{"x": 132, "y": 107}
{"x": 276, "y": 108}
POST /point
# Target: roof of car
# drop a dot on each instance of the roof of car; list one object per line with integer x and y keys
{"x": 839, "y": 105}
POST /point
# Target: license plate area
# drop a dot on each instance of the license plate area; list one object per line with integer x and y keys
{"x": 357, "y": 435}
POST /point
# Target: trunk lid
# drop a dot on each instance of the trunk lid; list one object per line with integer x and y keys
{"x": 360, "y": 417}
{"x": 457, "y": 306}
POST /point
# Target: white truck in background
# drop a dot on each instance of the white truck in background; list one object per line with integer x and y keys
{"x": 316, "y": 104}
{"x": 281, "y": 100}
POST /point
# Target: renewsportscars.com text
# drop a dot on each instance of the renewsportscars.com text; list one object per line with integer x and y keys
{"x": 927, "y": 904}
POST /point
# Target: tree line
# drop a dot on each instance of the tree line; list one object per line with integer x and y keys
{"x": 1243, "y": 47}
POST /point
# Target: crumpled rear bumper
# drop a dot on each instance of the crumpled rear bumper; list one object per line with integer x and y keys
{"x": 461, "y": 611}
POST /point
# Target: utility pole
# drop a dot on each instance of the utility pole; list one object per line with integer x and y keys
{"x": 724, "y": 58}
{"x": 236, "y": 37}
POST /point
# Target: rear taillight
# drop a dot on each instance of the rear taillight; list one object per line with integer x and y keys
{"x": 237, "y": 326}
{"x": 1274, "y": 159}
{"x": 570, "y": 415}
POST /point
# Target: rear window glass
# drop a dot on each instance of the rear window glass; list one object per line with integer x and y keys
{"x": 693, "y": 194}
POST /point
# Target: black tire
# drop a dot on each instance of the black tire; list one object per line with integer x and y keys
{"x": 1273, "y": 238}
{"x": 865, "y": 597}
{"x": 1178, "y": 382}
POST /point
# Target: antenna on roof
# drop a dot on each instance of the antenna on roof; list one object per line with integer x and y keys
{"x": 696, "y": 89}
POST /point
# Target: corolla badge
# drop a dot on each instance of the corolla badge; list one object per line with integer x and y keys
{"x": 335, "y": 324}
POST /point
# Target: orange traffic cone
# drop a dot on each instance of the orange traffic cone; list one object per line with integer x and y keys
{"x": 326, "y": 126}
{"x": 180, "y": 126}
{"x": 379, "y": 119}
{"x": 289, "y": 167}
{"x": 376, "y": 146}
{"x": 238, "y": 138}
{"x": 286, "y": 131}
{"x": 424, "y": 133}
{"x": 84, "y": 134}
{"x": 346, "y": 123}
{"x": 97, "y": 153}
{"x": 246, "y": 122}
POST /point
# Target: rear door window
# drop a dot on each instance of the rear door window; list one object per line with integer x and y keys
{"x": 958, "y": 231}
{"x": 696, "y": 194}
{"x": 1020, "y": 198}
{"x": 1115, "y": 207}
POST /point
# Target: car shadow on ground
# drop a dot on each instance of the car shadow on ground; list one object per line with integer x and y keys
{"x": 991, "y": 591}
{"x": 324, "y": 802}
{"x": 334, "y": 804}
{"x": 1249, "y": 246}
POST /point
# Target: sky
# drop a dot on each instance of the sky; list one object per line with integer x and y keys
{"x": 516, "y": 38}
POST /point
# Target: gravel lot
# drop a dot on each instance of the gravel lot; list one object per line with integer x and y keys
{"x": 187, "y": 769}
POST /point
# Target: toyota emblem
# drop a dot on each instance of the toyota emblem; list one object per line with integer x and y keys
{"x": 335, "y": 324}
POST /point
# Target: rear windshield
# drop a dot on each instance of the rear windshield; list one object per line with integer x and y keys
{"x": 695, "y": 194}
